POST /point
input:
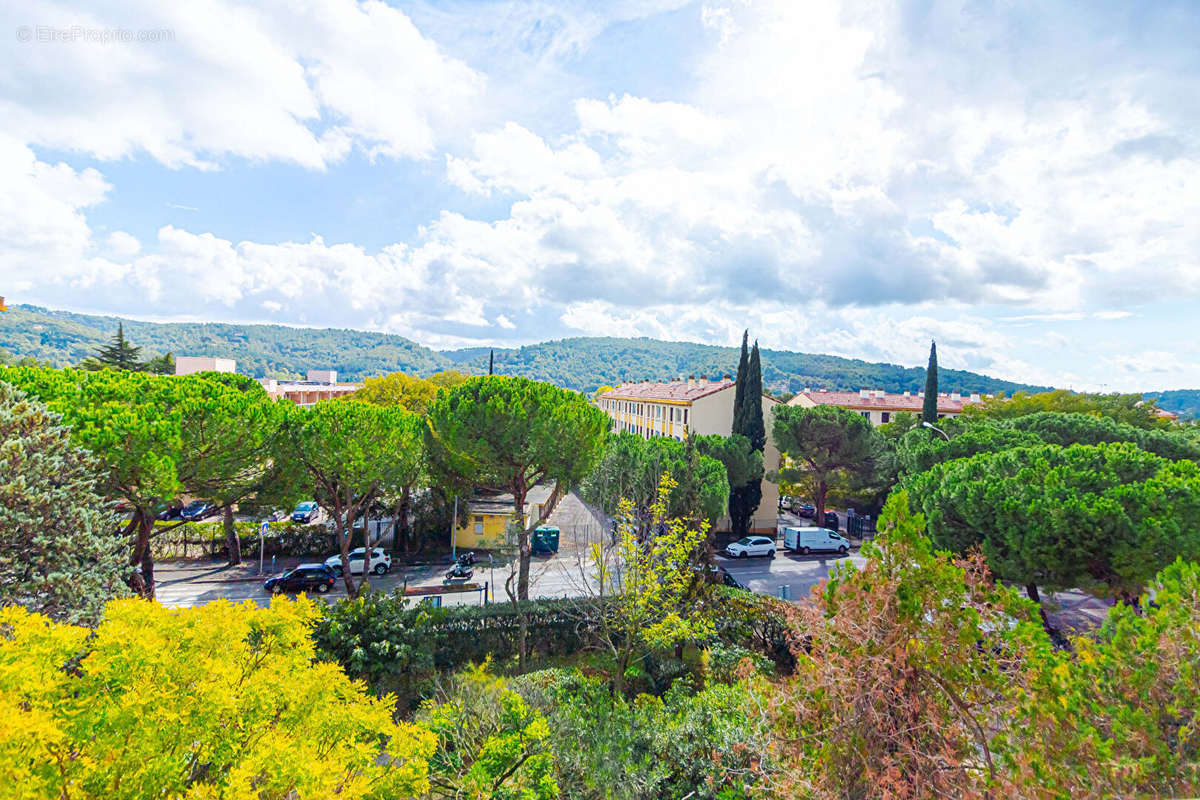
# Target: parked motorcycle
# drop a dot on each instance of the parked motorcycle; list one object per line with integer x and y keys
{"x": 466, "y": 559}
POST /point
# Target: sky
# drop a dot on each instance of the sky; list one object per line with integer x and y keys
{"x": 1018, "y": 180}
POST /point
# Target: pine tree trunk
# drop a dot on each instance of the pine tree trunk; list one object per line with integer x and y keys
{"x": 405, "y": 505}
{"x": 232, "y": 540}
{"x": 525, "y": 554}
{"x": 822, "y": 489}
{"x": 341, "y": 518}
{"x": 141, "y": 580}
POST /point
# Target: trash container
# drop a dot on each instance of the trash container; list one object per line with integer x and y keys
{"x": 545, "y": 540}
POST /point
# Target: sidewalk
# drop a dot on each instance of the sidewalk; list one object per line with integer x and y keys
{"x": 210, "y": 571}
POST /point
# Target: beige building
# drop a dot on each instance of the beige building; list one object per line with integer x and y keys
{"x": 684, "y": 407}
{"x": 880, "y": 407}
{"x": 322, "y": 384}
{"x": 186, "y": 365}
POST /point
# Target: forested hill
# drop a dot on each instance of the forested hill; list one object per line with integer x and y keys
{"x": 1184, "y": 402}
{"x": 64, "y": 338}
{"x": 586, "y": 363}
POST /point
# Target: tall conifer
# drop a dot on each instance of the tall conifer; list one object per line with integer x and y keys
{"x": 119, "y": 354}
{"x": 929, "y": 409}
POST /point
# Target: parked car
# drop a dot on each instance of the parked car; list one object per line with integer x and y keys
{"x": 806, "y": 510}
{"x": 809, "y": 540}
{"x": 197, "y": 509}
{"x": 381, "y": 562}
{"x": 751, "y": 546}
{"x": 168, "y": 512}
{"x": 831, "y": 520}
{"x": 729, "y": 580}
{"x": 306, "y": 512}
{"x": 316, "y": 577}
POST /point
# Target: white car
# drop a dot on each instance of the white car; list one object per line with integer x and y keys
{"x": 381, "y": 562}
{"x": 751, "y": 546}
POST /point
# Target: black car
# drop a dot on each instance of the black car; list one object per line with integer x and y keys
{"x": 306, "y": 577}
{"x": 169, "y": 512}
{"x": 729, "y": 580}
{"x": 831, "y": 521}
{"x": 197, "y": 509}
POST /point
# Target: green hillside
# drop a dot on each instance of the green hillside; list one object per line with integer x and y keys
{"x": 64, "y": 338}
{"x": 1184, "y": 402}
{"x": 586, "y": 363}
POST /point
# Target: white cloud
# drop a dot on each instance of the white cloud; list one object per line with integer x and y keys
{"x": 829, "y": 177}
{"x": 278, "y": 81}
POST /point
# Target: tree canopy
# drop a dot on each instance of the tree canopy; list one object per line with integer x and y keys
{"x": 1131, "y": 409}
{"x": 823, "y": 442}
{"x": 1102, "y": 517}
{"x": 632, "y": 467}
{"x": 221, "y": 700}
{"x": 156, "y": 438}
{"x": 349, "y": 453}
{"x": 61, "y": 552}
{"x": 407, "y": 391}
{"x": 510, "y": 434}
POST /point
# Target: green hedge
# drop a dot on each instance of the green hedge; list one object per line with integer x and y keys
{"x": 197, "y": 539}
{"x": 398, "y": 648}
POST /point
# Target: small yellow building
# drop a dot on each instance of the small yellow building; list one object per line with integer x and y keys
{"x": 484, "y": 524}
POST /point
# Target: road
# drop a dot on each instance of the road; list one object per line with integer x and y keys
{"x": 564, "y": 575}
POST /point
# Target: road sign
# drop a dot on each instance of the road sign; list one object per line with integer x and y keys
{"x": 264, "y": 528}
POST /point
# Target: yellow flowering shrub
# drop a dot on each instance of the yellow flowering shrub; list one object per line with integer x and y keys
{"x": 221, "y": 701}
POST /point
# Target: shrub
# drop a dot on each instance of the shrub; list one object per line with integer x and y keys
{"x": 706, "y": 744}
{"x": 222, "y": 700}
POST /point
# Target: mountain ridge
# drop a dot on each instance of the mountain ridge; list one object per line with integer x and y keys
{"x": 584, "y": 363}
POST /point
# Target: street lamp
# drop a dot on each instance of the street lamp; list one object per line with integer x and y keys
{"x": 933, "y": 427}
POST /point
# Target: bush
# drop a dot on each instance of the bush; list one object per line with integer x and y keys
{"x": 197, "y": 539}
{"x": 400, "y": 648}
{"x": 701, "y": 744}
{"x": 221, "y": 700}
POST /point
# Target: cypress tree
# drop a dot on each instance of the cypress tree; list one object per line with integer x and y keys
{"x": 119, "y": 354}
{"x": 739, "y": 391}
{"x": 747, "y": 421}
{"x": 491, "y": 361}
{"x": 752, "y": 426}
{"x": 929, "y": 409}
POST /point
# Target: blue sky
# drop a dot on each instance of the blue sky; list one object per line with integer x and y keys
{"x": 1020, "y": 180}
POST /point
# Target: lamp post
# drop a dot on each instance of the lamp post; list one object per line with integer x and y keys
{"x": 933, "y": 427}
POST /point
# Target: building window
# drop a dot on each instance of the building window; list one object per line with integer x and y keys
{"x": 685, "y": 416}
{"x": 885, "y": 417}
{"x": 866, "y": 414}
{"x": 479, "y": 527}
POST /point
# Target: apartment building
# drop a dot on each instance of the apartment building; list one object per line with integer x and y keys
{"x": 187, "y": 365}
{"x": 880, "y": 407}
{"x": 321, "y": 384}
{"x": 693, "y": 406}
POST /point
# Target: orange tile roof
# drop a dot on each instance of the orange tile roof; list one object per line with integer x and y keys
{"x": 679, "y": 391}
{"x": 888, "y": 402}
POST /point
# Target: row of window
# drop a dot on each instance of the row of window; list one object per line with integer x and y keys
{"x": 649, "y": 410}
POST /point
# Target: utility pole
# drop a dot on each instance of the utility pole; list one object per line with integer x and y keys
{"x": 454, "y": 532}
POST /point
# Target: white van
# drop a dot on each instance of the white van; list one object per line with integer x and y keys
{"x": 814, "y": 540}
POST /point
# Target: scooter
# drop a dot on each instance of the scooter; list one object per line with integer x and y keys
{"x": 467, "y": 559}
{"x": 459, "y": 572}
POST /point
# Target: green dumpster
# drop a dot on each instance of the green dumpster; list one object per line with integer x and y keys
{"x": 545, "y": 540}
